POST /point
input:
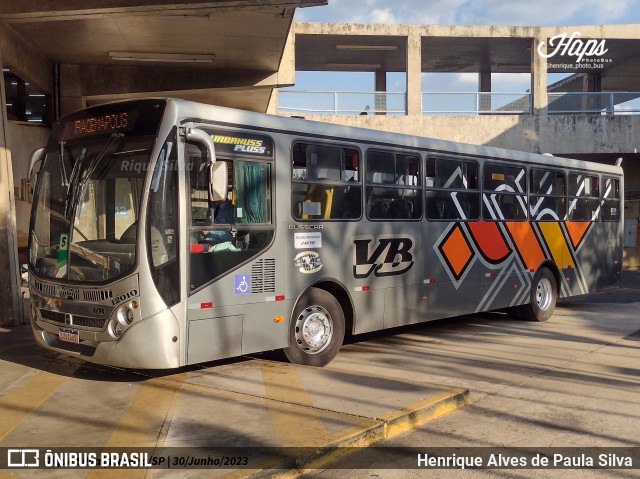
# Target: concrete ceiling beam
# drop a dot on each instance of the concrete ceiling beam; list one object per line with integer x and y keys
{"x": 110, "y": 80}
{"x": 39, "y": 10}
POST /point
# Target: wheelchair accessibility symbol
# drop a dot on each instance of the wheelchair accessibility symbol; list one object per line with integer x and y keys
{"x": 242, "y": 284}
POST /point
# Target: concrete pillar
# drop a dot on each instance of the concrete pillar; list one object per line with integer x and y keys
{"x": 11, "y": 312}
{"x": 592, "y": 83}
{"x": 485, "y": 87}
{"x": 71, "y": 98}
{"x": 414, "y": 73}
{"x": 539, "y": 77}
{"x": 381, "y": 92}
{"x": 272, "y": 106}
{"x": 485, "y": 81}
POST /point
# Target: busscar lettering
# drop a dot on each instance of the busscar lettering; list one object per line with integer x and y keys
{"x": 391, "y": 256}
{"x": 306, "y": 227}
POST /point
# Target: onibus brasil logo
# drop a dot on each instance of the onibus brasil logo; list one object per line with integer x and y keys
{"x": 573, "y": 45}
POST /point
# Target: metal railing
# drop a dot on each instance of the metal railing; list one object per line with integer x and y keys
{"x": 603, "y": 103}
{"x": 475, "y": 103}
{"x": 341, "y": 102}
{"x": 454, "y": 103}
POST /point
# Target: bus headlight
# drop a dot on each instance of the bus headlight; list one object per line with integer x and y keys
{"x": 125, "y": 315}
{"x": 116, "y": 328}
{"x": 129, "y": 316}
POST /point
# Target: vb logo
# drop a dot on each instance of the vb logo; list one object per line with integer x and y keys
{"x": 390, "y": 256}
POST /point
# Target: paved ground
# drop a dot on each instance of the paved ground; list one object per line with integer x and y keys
{"x": 570, "y": 382}
{"x": 574, "y": 381}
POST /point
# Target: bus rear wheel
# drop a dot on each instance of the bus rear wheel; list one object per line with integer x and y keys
{"x": 543, "y": 296}
{"x": 316, "y": 330}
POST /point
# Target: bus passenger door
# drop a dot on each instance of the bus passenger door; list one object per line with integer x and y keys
{"x": 230, "y": 274}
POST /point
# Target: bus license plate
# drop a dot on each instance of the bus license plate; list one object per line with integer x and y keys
{"x": 69, "y": 335}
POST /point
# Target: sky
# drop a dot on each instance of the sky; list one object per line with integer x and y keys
{"x": 457, "y": 12}
{"x": 476, "y": 12}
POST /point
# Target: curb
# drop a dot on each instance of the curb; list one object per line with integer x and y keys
{"x": 388, "y": 425}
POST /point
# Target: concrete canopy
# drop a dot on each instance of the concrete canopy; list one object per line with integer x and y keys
{"x": 459, "y": 48}
{"x": 223, "y": 52}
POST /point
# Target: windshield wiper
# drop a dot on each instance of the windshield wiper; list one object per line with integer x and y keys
{"x": 63, "y": 171}
{"x": 76, "y": 189}
{"x": 73, "y": 183}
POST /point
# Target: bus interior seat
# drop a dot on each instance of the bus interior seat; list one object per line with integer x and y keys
{"x": 317, "y": 193}
{"x": 379, "y": 209}
{"x": 400, "y": 209}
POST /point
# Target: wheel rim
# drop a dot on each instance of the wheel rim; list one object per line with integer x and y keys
{"x": 544, "y": 294}
{"x": 314, "y": 329}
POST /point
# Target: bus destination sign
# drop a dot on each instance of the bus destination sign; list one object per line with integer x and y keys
{"x": 116, "y": 122}
{"x": 101, "y": 124}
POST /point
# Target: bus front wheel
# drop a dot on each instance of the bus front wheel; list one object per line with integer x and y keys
{"x": 316, "y": 330}
{"x": 543, "y": 296}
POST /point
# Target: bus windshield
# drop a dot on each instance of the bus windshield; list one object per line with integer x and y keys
{"x": 87, "y": 201}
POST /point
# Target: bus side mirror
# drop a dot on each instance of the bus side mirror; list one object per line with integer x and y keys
{"x": 35, "y": 160}
{"x": 218, "y": 181}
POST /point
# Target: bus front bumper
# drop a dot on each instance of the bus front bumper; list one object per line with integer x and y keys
{"x": 153, "y": 343}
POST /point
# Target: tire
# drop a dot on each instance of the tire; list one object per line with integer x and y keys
{"x": 316, "y": 329}
{"x": 542, "y": 297}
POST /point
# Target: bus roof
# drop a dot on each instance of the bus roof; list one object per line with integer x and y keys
{"x": 186, "y": 111}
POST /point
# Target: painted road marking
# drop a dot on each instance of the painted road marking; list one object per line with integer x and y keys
{"x": 283, "y": 384}
{"x": 22, "y": 401}
{"x": 145, "y": 421}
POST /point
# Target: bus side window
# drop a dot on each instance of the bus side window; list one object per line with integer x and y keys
{"x": 584, "y": 197}
{"x": 238, "y": 227}
{"x": 196, "y": 158}
{"x": 452, "y": 189}
{"x": 162, "y": 224}
{"x": 505, "y": 193}
{"x": 393, "y": 186}
{"x": 611, "y": 199}
{"x": 547, "y": 195}
{"x": 325, "y": 182}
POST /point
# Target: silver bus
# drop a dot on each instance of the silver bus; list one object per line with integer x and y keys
{"x": 166, "y": 233}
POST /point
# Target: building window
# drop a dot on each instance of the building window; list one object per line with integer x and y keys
{"x": 25, "y": 102}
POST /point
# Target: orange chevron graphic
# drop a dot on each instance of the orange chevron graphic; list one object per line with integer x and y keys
{"x": 457, "y": 251}
{"x": 527, "y": 238}
{"x": 526, "y": 243}
{"x": 489, "y": 240}
{"x": 556, "y": 244}
{"x": 577, "y": 230}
